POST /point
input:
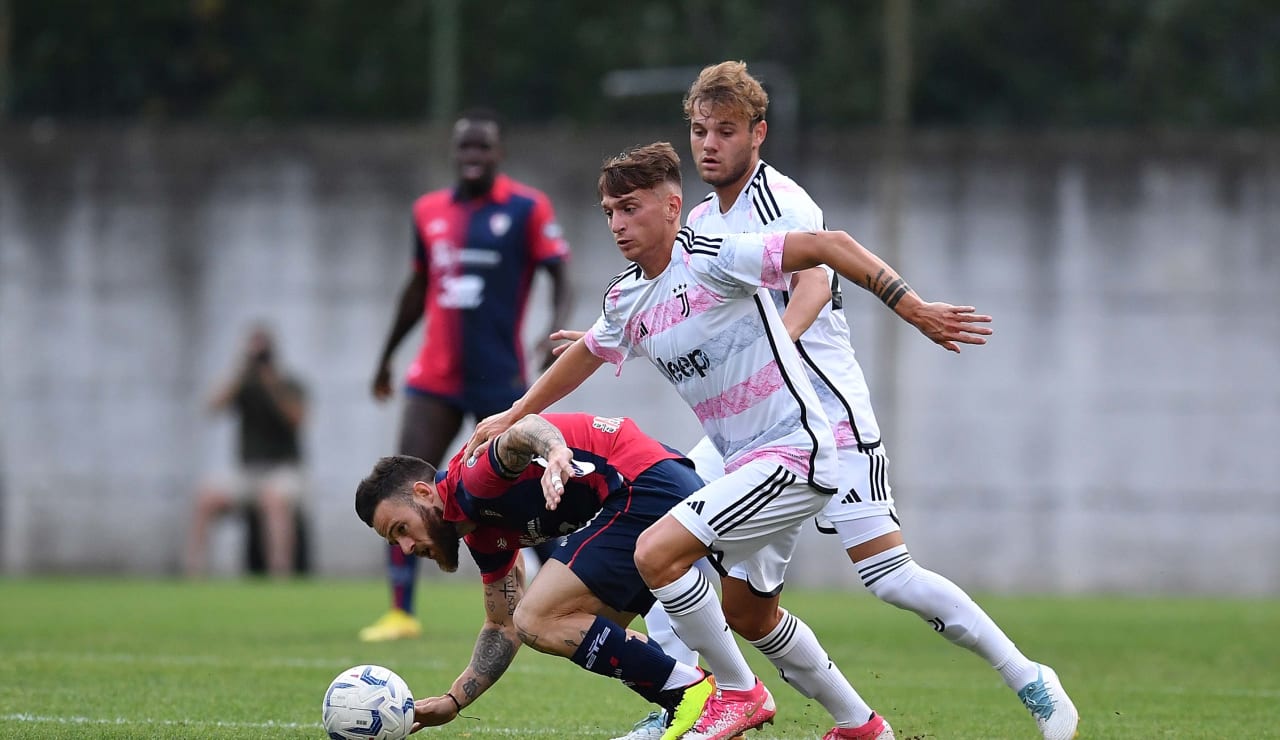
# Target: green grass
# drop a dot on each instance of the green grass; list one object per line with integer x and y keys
{"x": 251, "y": 659}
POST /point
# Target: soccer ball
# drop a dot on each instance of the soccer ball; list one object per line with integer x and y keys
{"x": 368, "y": 702}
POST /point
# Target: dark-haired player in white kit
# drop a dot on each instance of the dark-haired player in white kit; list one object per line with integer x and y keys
{"x": 726, "y": 111}
{"x": 692, "y": 305}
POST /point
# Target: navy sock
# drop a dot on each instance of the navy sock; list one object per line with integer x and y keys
{"x": 639, "y": 664}
{"x": 403, "y": 570}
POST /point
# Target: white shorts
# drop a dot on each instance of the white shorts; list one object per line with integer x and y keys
{"x": 247, "y": 483}
{"x": 750, "y": 521}
{"x": 863, "y": 510}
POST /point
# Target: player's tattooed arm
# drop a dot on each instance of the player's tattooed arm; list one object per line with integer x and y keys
{"x": 498, "y": 641}
{"x": 494, "y": 651}
{"x": 887, "y": 285}
{"x": 531, "y": 436}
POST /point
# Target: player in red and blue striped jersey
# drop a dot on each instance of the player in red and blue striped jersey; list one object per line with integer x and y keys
{"x": 591, "y": 483}
{"x": 476, "y": 248}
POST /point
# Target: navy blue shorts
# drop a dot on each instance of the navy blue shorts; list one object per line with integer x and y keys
{"x": 602, "y": 553}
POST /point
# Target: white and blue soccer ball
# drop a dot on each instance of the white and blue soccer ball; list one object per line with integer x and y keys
{"x": 368, "y": 702}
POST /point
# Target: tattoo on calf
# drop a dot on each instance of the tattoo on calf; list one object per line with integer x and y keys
{"x": 527, "y": 638}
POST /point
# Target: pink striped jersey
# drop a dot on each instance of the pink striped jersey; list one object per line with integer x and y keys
{"x": 772, "y": 202}
{"x": 714, "y": 335}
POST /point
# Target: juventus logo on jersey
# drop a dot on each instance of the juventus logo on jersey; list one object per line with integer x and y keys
{"x": 681, "y": 292}
{"x": 938, "y": 624}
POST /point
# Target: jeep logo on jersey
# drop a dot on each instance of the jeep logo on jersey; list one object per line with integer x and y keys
{"x": 686, "y": 366}
{"x": 499, "y": 223}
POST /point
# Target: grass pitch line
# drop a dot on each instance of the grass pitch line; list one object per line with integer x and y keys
{"x": 126, "y": 722}
{"x": 336, "y": 664}
{"x": 268, "y": 725}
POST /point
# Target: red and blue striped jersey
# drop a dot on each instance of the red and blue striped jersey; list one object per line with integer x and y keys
{"x": 480, "y": 256}
{"x": 511, "y": 514}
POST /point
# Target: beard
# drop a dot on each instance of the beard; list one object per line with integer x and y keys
{"x": 444, "y": 537}
{"x": 730, "y": 173}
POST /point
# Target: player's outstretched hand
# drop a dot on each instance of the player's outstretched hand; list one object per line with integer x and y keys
{"x": 571, "y": 335}
{"x": 487, "y": 429}
{"x": 559, "y": 468}
{"x": 433, "y": 711}
{"x": 950, "y": 326}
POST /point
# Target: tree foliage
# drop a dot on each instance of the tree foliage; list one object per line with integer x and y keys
{"x": 1194, "y": 63}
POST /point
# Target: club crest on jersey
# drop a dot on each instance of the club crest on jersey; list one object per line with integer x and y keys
{"x": 499, "y": 223}
{"x": 437, "y": 227}
{"x": 682, "y": 292}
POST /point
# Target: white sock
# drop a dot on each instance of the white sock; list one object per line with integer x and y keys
{"x": 696, "y": 616}
{"x": 794, "y": 650}
{"x": 658, "y": 625}
{"x": 896, "y": 579}
{"x": 682, "y": 675}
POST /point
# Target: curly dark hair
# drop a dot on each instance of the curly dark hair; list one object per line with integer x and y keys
{"x": 392, "y": 477}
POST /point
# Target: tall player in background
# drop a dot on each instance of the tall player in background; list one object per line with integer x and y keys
{"x": 475, "y": 249}
{"x": 726, "y": 111}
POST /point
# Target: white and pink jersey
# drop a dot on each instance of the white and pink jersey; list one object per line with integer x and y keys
{"x": 710, "y": 330}
{"x": 773, "y": 202}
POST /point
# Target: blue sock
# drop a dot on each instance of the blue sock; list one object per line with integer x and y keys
{"x": 639, "y": 664}
{"x": 403, "y": 570}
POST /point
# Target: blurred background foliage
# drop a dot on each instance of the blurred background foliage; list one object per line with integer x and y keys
{"x": 975, "y": 63}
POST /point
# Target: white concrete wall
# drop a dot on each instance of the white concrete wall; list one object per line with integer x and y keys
{"x": 1117, "y": 435}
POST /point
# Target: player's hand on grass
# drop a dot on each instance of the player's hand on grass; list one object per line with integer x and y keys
{"x": 486, "y": 430}
{"x": 382, "y": 383}
{"x": 559, "y": 468}
{"x": 433, "y": 711}
{"x": 950, "y": 326}
{"x": 571, "y": 335}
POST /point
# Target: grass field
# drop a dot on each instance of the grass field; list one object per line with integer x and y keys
{"x": 251, "y": 659}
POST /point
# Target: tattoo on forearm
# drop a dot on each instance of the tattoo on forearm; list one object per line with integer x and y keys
{"x": 511, "y": 591}
{"x": 494, "y": 652}
{"x": 531, "y": 436}
{"x": 528, "y": 638}
{"x": 511, "y": 460}
{"x": 888, "y": 287}
{"x": 472, "y": 689}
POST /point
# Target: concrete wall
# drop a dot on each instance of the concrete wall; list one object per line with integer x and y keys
{"x": 1117, "y": 435}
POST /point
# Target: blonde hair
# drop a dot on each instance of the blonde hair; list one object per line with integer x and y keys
{"x": 639, "y": 168}
{"x": 728, "y": 88}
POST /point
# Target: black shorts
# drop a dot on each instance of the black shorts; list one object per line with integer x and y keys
{"x": 602, "y": 553}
